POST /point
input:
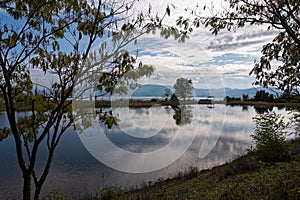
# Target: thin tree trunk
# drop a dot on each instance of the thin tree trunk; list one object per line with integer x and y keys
{"x": 40, "y": 183}
{"x": 27, "y": 186}
{"x": 38, "y": 189}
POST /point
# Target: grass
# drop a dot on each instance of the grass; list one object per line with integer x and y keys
{"x": 243, "y": 178}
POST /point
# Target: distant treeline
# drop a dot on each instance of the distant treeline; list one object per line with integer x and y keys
{"x": 264, "y": 96}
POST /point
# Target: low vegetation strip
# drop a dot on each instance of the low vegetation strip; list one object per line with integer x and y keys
{"x": 277, "y": 181}
{"x": 243, "y": 178}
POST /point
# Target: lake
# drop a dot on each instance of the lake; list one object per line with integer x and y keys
{"x": 149, "y": 144}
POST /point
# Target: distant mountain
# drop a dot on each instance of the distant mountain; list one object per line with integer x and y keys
{"x": 250, "y": 92}
{"x": 150, "y": 91}
{"x": 159, "y": 91}
{"x": 237, "y": 93}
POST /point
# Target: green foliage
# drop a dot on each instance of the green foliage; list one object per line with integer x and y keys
{"x": 111, "y": 193}
{"x": 269, "y": 137}
{"x": 245, "y": 97}
{"x": 108, "y": 119}
{"x": 262, "y": 95}
{"x": 183, "y": 88}
{"x": 243, "y": 178}
{"x": 230, "y": 181}
{"x": 295, "y": 121}
{"x": 168, "y": 93}
{"x": 293, "y": 98}
{"x": 4, "y": 133}
{"x": 124, "y": 74}
{"x": 285, "y": 49}
{"x": 227, "y": 98}
{"x": 174, "y": 98}
{"x": 189, "y": 173}
{"x": 274, "y": 182}
{"x": 55, "y": 195}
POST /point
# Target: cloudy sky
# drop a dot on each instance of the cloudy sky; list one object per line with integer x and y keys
{"x": 210, "y": 61}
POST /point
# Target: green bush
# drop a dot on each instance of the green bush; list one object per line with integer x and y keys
{"x": 269, "y": 136}
{"x": 55, "y": 195}
{"x": 111, "y": 193}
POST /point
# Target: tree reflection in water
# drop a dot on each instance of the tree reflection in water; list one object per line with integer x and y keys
{"x": 182, "y": 115}
{"x": 263, "y": 109}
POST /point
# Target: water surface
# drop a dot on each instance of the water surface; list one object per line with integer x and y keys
{"x": 218, "y": 134}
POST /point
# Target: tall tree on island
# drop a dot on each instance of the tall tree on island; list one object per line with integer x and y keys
{"x": 183, "y": 88}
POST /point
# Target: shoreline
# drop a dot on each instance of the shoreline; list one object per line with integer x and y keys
{"x": 21, "y": 106}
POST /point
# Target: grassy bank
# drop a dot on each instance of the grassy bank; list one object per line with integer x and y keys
{"x": 244, "y": 178}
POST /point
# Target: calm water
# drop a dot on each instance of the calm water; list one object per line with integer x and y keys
{"x": 194, "y": 136}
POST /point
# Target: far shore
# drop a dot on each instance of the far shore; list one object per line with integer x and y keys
{"x": 23, "y": 106}
{"x": 145, "y": 104}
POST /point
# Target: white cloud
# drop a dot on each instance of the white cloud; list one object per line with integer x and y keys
{"x": 230, "y": 54}
{"x": 210, "y": 61}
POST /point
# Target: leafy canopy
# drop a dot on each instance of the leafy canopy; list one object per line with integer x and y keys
{"x": 183, "y": 88}
{"x": 269, "y": 136}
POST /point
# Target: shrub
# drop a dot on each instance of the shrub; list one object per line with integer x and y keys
{"x": 54, "y": 195}
{"x": 111, "y": 193}
{"x": 295, "y": 120}
{"x": 269, "y": 136}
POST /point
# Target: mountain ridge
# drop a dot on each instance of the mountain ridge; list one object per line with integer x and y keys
{"x": 160, "y": 90}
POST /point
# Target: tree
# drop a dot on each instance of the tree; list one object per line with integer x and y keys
{"x": 175, "y": 101}
{"x": 262, "y": 95}
{"x": 168, "y": 93}
{"x": 58, "y": 38}
{"x": 183, "y": 88}
{"x": 269, "y": 136}
{"x": 245, "y": 97}
{"x": 182, "y": 115}
{"x": 282, "y": 15}
{"x": 295, "y": 121}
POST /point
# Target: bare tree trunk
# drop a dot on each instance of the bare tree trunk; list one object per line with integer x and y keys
{"x": 27, "y": 186}
{"x": 40, "y": 183}
{"x": 38, "y": 189}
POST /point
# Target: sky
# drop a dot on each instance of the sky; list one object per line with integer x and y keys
{"x": 210, "y": 61}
